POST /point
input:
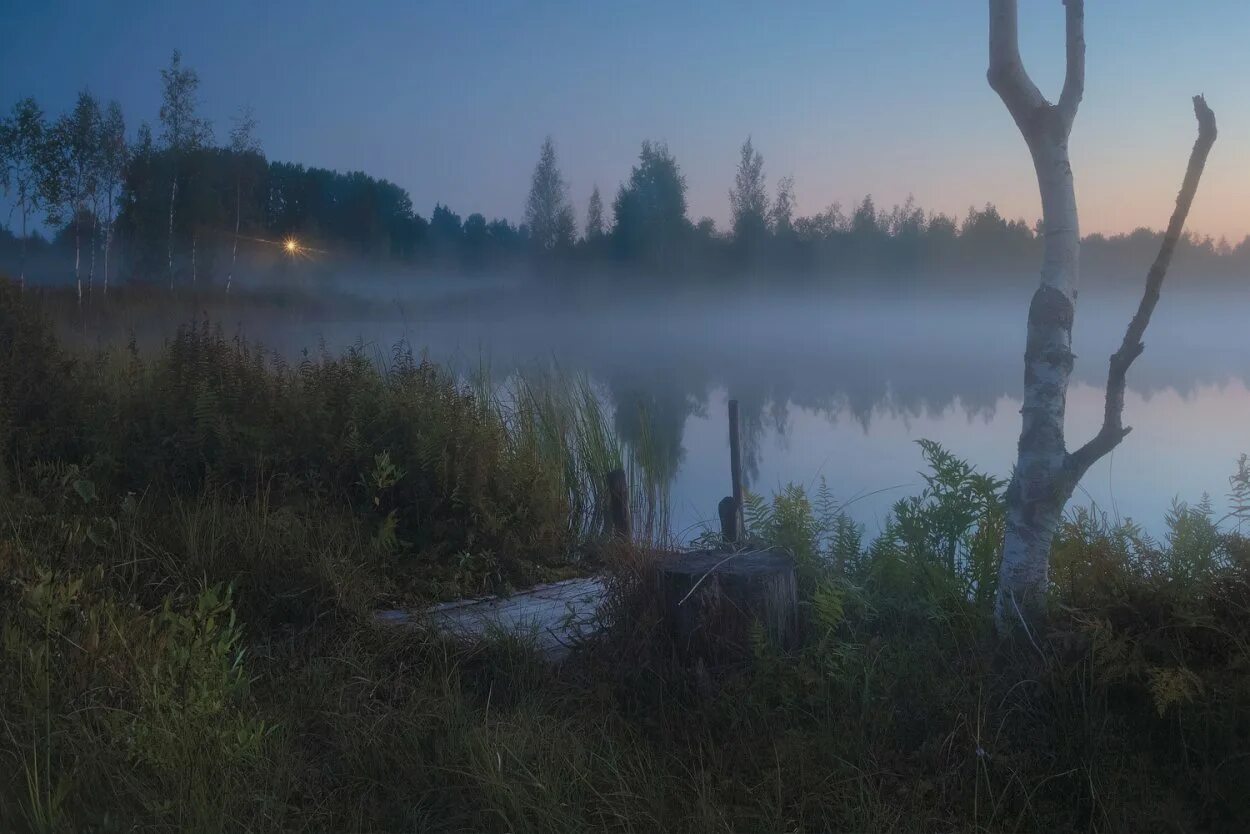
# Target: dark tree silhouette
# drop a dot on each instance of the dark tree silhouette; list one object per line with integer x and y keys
{"x": 594, "y": 217}
{"x": 650, "y": 209}
{"x": 748, "y": 201}
{"x": 547, "y": 211}
{"x": 71, "y": 166}
{"x": 22, "y": 145}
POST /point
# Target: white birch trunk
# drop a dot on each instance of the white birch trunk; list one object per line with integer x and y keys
{"x": 234, "y": 252}
{"x": 21, "y": 272}
{"x": 77, "y": 257}
{"x": 173, "y": 195}
{"x": 95, "y": 234}
{"x": 1039, "y": 489}
{"x": 108, "y": 240}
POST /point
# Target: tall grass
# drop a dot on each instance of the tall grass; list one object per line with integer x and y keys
{"x": 570, "y": 420}
{"x": 471, "y": 485}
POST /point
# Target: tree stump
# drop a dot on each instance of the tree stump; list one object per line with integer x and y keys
{"x": 713, "y": 601}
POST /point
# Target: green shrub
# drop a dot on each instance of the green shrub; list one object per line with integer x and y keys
{"x": 41, "y": 412}
{"x": 116, "y": 711}
{"x": 466, "y": 492}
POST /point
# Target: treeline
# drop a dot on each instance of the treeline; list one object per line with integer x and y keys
{"x": 177, "y": 208}
{"x": 182, "y": 209}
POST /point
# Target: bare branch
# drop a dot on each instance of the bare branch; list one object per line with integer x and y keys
{"x": 1113, "y": 430}
{"x": 1074, "y": 80}
{"x": 1007, "y": 75}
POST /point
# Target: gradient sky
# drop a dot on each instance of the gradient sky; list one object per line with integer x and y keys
{"x": 451, "y": 100}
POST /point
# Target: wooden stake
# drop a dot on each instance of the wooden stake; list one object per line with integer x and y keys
{"x": 618, "y": 504}
{"x": 735, "y": 466}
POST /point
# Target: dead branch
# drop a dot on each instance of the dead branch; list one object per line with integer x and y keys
{"x": 1113, "y": 430}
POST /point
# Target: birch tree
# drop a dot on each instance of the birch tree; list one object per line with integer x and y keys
{"x": 71, "y": 165}
{"x": 22, "y": 138}
{"x": 748, "y": 199}
{"x": 1046, "y": 473}
{"x": 182, "y": 130}
{"x": 547, "y": 211}
{"x": 242, "y": 145}
{"x": 113, "y": 158}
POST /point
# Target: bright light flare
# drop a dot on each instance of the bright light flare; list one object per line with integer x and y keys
{"x": 291, "y": 245}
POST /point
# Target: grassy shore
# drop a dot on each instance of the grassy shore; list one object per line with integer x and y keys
{"x": 193, "y": 543}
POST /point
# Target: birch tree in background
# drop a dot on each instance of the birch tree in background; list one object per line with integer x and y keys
{"x": 547, "y": 211}
{"x": 781, "y": 215}
{"x": 114, "y": 156}
{"x": 182, "y": 131}
{"x": 71, "y": 169}
{"x": 22, "y": 138}
{"x": 243, "y": 144}
{"x": 1046, "y": 473}
{"x": 748, "y": 199}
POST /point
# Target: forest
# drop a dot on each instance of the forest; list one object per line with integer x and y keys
{"x": 177, "y": 209}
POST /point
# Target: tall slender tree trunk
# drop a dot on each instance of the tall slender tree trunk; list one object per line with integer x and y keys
{"x": 95, "y": 233}
{"x": 77, "y": 256}
{"x": 173, "y": 195}
{"x": 1039, "y": 488}
{"x": 21, "y": 270}
{"x": 108, "y": 240}
{"x": 194, "y": 240}
{"x": 234, "y": 253}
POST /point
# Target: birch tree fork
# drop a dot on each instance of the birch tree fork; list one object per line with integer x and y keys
{"x": 1046, "y": 474}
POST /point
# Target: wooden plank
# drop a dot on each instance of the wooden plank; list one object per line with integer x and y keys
{"x": 554, "y": 616}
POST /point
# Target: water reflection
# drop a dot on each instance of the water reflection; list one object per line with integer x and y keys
{"x": 839, "y": 387}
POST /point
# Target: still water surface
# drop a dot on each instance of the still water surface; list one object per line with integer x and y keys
{"x": 840, "y": 388}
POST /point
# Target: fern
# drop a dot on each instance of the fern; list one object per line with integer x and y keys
{"x": 846, "y": 544}
{"x": 1172, "y": 686}
{"x": 828, "y": 606}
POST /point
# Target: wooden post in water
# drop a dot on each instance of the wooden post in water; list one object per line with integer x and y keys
{"x": 735, "y": 468}
{"x": 618, "y": 504}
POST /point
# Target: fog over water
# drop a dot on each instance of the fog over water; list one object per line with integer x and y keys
{"x": 840, "y": 385}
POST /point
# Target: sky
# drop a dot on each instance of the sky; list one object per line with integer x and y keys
{"x": 452, "y": 100}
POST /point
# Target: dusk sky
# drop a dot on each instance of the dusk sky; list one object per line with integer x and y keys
{"x": 451, "y": 100}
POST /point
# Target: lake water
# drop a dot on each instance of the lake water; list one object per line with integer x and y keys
{"x": 841, "y": 387}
